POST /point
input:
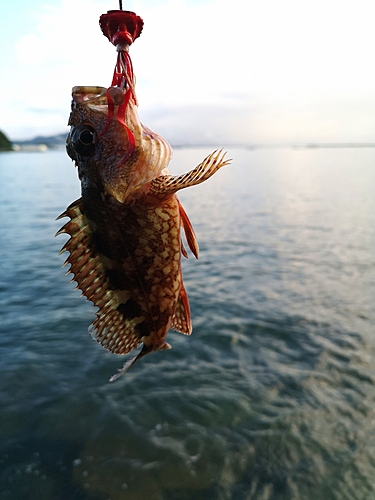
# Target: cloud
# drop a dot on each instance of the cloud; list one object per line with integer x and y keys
{"x": 265, "y": 123}
{"x": 248, "y": 71}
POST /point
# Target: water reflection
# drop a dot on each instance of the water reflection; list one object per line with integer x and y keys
{"x": 273, "y": 394}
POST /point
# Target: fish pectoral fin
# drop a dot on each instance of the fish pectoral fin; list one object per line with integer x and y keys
{"x": 189, "y": 233}
{"x": 181, "y": 320}
{"x": 169, "y": 184}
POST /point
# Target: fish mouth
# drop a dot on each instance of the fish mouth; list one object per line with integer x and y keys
{"x": 90, "y": 95}
{"x": 97, "y": 96}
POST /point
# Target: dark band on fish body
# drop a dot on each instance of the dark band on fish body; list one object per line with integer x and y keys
{"x": 143, "y": 329}
{"x": 119, "y": 280}
{"x": 130, "y": 309}
{"x": 100, "y": 243}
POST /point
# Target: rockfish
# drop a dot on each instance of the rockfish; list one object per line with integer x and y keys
{"x": 125, "y": 231}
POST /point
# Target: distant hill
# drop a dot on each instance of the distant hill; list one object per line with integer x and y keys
{"x": 5, "y": 144}
{"x": 52, "y": 141}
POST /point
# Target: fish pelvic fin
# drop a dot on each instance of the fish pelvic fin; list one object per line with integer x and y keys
{"x": 189, "y": 233}
{"x": 169, "y": 184}
{"x": 181, "y": 320}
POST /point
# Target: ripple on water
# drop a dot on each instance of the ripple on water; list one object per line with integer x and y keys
{"x": 273, "y": 394}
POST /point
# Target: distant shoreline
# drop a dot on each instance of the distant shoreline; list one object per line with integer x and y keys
{"x": 44, "y": 143}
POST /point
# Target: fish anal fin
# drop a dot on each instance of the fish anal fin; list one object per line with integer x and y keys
{"x": 181, "y": 320}
{"x": 169, "y": 184}
{"x": 189, "y": 231}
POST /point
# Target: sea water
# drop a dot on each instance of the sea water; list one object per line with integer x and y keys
{"x": 272, "y": 396}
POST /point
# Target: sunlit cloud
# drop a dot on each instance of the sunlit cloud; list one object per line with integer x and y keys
{"x": 245, "y": 71}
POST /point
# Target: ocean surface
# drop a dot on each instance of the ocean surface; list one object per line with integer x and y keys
{"x": 272, "y": 396}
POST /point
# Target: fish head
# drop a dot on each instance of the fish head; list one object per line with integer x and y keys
{"x": 118, "y": 156}
{"x": 96, "y": 144}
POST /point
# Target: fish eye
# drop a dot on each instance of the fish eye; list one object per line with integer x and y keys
{"x": 86, "y": 137}
{"x": 83, "y": 140}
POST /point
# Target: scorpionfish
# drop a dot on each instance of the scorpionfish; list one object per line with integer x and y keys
{"x": 125, "y": 231}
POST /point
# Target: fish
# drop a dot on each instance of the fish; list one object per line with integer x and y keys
{"x": 125, "y": 242}
{"x": 125, "y": 231}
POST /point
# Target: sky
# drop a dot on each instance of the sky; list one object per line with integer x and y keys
{"x": 209, "y": 71}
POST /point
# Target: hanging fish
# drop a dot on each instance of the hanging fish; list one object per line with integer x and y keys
{"x": 125, "y": 244}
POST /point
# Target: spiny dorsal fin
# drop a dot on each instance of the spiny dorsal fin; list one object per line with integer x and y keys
{"x": 112, "y": 329}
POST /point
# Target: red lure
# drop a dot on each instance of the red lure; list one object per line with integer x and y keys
{"x": 121, "y": 27}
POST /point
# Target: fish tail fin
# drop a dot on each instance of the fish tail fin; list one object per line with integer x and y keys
{"x": 130, "y": 362}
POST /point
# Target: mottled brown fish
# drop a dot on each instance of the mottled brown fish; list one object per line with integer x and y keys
{"x": 125, "y": 243}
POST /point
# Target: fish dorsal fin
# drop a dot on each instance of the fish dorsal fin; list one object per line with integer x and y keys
{"x": 113, "y": 329}
{"x": 181, "y": 321}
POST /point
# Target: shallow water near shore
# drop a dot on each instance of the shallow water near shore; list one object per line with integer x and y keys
{"x": 273, "y": 395}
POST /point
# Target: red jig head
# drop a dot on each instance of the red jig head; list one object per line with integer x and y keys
{"x": 121, "y": 27}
